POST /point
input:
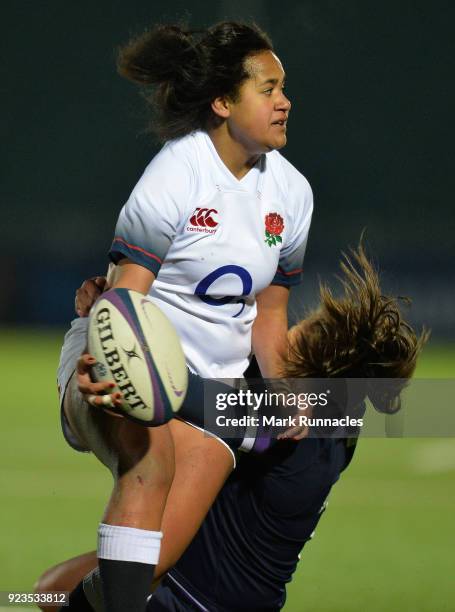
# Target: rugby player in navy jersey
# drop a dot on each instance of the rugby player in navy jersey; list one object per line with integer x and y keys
{"x": 249, "y": 543}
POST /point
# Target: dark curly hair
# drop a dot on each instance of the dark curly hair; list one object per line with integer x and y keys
{"x": 184, "y": 71}
{"x": 361, "y": 334}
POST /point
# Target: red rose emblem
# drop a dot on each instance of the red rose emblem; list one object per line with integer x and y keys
{"x": 274, "y": 225}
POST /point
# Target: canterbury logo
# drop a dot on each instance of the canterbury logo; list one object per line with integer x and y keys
{"x": 202, "y": 221}
{"x": 202, "y": 217}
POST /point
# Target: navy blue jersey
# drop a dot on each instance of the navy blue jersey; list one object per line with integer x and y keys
{"x": 248, "y": 546}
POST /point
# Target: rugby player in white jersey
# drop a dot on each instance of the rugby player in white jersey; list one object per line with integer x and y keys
{"x": 215, "y": 233}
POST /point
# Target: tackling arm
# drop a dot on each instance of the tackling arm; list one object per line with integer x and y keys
{"x": 269, "y": 340}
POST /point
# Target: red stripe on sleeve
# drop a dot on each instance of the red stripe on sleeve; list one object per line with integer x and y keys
{"x": 136, "y": 248}
{"x": 291, "y": 273}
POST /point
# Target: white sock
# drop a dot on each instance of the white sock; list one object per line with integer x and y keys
{"x": 128, "y": 544}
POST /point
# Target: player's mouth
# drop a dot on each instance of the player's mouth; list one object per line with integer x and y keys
{"x": 281, "y": 123}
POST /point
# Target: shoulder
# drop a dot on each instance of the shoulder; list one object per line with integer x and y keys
{"x": 176, "y": 164}
{"x": 174, "y": 171}
{"x": 294, "y": 183}
{"x": 292, "y": 186}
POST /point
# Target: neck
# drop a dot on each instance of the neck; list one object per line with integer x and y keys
{"x": 233, "y": 153}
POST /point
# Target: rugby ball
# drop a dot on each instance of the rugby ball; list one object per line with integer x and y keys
{"x": 137, "y": 348}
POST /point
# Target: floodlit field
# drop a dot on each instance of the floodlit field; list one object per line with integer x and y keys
{"x": 386, "y": 542}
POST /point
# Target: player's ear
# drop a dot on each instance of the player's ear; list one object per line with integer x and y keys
{"x": 221, "y": 107}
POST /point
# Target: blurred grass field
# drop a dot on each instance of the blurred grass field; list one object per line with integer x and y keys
{"x": 387, "y": 541}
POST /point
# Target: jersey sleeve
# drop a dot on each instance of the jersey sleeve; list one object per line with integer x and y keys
{"x": 300, "y": 197}
{"x": 149, "y": 220}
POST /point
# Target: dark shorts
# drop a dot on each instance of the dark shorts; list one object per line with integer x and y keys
{"x": 169, "y": 598}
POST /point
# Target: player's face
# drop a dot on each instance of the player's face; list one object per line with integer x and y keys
{"x": 258, "y": 119}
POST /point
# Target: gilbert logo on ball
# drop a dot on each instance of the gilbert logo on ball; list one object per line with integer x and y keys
{"x": 137, "y": 347}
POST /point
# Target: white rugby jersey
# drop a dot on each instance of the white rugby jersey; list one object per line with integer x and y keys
{"x": 214, "y": 242}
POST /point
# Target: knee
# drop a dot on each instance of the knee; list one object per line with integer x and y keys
{"x": 146, "y": 456}
{"x": 48, "y": 581}
{"x": 65, "y": 576}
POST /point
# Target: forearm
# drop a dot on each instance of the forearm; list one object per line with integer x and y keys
{"x": 269, "y": 337}
{"x": 270, "y": 346}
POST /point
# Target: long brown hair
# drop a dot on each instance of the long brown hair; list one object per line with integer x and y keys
{"x": 361, "y": 334}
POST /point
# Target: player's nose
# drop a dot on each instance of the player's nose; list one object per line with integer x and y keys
{"x": 283, "y": 103}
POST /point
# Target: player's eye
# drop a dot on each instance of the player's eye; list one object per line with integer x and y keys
{"x": 268, "y": 92}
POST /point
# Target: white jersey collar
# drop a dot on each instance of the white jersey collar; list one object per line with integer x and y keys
{"x": 250, "y": 183}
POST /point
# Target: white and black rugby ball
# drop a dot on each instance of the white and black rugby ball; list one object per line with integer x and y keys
{"x": 137, "y": 347}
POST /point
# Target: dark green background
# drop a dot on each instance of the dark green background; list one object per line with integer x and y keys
{"x": 372, "y": 89}
{"x": 373, "y": 94}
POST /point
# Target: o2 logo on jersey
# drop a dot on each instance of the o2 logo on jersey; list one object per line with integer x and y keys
{"x": 202, "y": 220}
{"x": 205, "y": 283}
